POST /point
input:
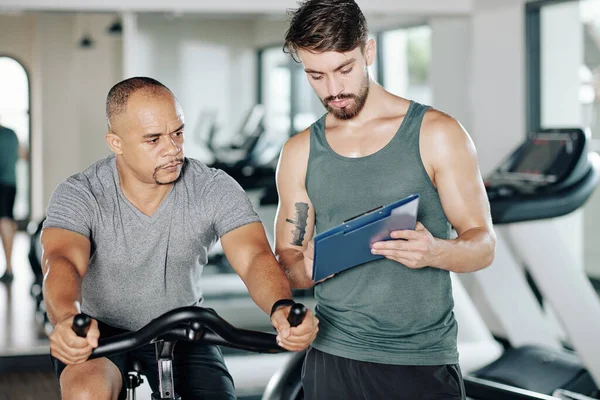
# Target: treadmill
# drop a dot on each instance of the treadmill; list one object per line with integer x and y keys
{"x": 550, "y": 175}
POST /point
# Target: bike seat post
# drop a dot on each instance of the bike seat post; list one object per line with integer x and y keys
{"x": 164, "y": 356}
{"x": 134, "y": 378}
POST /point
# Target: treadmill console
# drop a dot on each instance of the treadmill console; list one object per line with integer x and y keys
{"x": 551, "y": 174}
{"x": 547, "y": 161}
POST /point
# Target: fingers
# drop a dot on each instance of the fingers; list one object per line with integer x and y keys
{"x": 301, "y": 336}
{"x": 399, "y": 245}
{"x": 280, "y": 322}
{"x": 407, "y": 234}
{"x": 310, "y": 250}
{"x": 308, "y": 266}
{"x": 69, "y": 351}
{"x": 70, "y": 348}
{"x": 409, "y": 259}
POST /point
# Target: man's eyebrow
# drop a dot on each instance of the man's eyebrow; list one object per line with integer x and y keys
{"x": 155, "y": 135}
{"x": 312, "y": 71}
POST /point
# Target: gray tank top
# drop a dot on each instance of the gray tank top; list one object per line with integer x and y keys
{"x": 381, "y": 311}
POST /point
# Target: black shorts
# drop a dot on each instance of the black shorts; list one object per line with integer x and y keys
{"x": 199, "y": 371}
{"x": 7, "y": 200}
{"x": 325, "y": 376}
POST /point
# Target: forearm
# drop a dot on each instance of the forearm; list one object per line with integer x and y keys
{"x": 292, "y": 262}
{"x": 62, "y": 290}
{"x": 469, "y": 252}
{"x": 266, "y": 281}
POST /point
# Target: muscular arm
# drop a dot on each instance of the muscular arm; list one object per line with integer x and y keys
{"x": 250, "y": 255}
{"x": 65, "y": 257}
{"x": 448, "y": 150}
{"x": 295, "y": 220}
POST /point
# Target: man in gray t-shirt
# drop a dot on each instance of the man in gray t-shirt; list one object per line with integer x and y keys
{"x": 127, "y": 239}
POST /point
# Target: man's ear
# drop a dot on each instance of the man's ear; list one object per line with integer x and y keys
{"x": 115, "y": 143}
{"x": 370, "y": 52}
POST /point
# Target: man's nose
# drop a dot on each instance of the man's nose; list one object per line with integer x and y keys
{"x": 172, "y": 147}
{"x": 334, "y": 87}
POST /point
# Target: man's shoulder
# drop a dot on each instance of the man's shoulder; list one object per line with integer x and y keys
{"x": 444, "y": 136}
{"x": 97, "y": 174}
{"x": 433, "y": 115}
{"x": 9, "y": 133}
{"x": 196, "y": 171}
{"x": 439, "y": 125}
{"x": 212, "y": 185}
{"x": 197, "y": 177}
{"x": 298, "y": 145}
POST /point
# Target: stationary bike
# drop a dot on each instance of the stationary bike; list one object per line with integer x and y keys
{"x": 185, "y": 323}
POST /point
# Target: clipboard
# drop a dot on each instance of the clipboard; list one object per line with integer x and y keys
{"x": 349, "y": 244}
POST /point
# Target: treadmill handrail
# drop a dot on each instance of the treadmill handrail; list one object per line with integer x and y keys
{"x": 478, "y": 388}
{"x": 178, "y": 324}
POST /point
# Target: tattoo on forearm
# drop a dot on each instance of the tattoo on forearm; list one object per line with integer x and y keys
{"x": 299, "y": 223}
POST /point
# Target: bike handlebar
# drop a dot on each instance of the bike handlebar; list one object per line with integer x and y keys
{"x": 189, "y": 323}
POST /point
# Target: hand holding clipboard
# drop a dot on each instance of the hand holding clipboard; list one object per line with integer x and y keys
{"x": 349, "y": 244}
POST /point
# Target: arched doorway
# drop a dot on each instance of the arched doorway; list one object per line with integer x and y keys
{"x": 14, "y": 114}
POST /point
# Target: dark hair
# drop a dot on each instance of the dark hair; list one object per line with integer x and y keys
{"x": 326, "y": 25}
{"x": 116, "y": 100}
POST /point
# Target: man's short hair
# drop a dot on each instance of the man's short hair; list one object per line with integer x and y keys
{"x": 326, "y": 25}
{"x": 118, "y": 95}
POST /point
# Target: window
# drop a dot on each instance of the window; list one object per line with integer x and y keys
{"x": 14, "y": 114}
{"x": 564, "y": 59}
{"x": 275, "y": 90}
{"x": 406, "y": 59}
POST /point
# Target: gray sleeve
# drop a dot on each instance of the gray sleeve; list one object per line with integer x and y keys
{"x": 69, "y": 208}
{"x": 228, "y": 204}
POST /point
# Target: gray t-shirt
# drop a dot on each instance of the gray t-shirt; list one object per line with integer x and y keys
{"x": 141, "y": 266}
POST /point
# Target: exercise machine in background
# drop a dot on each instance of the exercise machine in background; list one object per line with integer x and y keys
{"x": 550, "y": 175}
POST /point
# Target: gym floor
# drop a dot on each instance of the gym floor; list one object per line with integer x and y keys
{"x": 22, "y": 339}
{"x": 19, "y": 331}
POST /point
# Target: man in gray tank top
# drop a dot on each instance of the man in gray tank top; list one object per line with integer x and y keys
{"x": 127, "y": 240}
{"x": 386, "y": 327}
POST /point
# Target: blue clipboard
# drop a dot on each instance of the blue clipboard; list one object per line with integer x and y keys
{"x": 349, "y": 244}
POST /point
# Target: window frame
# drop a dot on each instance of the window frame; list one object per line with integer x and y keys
{"x": 533, "y": 60}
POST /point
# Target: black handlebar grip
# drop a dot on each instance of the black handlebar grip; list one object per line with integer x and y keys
{"x": 297, "y": 314}
{"x": 81, "y": 324}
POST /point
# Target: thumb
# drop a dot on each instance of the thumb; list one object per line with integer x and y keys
{"x": 419, "y": 227}
{"x": 281, "y": 323}
{"x": 93, "y": 334}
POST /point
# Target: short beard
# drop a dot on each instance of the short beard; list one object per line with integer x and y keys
{"x": 155, "y": 174}
{"x": 351, "y": 110}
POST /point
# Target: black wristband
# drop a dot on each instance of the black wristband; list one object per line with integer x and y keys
{"x": 281, "y": 302}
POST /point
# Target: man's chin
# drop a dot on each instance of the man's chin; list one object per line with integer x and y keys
{"x": 167, "y": 178}
{"x": 343, "y": 113}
